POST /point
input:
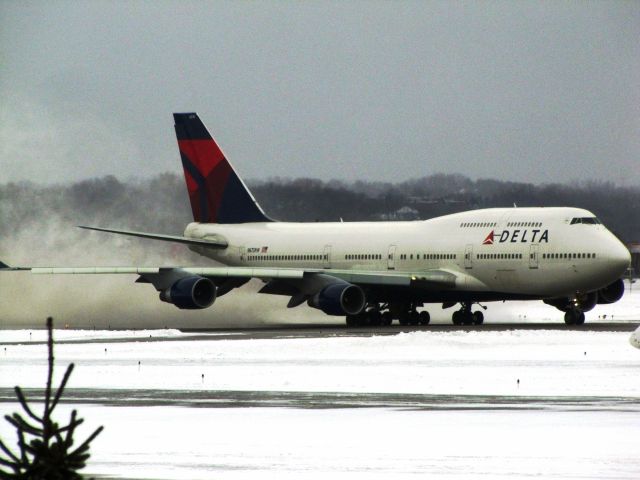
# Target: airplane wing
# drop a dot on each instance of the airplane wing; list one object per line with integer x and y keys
{"x": 198, "y": 287}
{"x": 217, "y": 242}
{"x": 430, "y": 279}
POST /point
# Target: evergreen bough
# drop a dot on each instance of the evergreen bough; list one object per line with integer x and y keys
{"x": 45, "y": 447}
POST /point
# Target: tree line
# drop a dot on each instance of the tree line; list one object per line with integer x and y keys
{"x": 160, "y": 204}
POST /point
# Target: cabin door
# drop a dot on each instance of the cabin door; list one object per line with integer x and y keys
{"x": 534, "y": 256}
{"x": 391, "y": 257}
{"x": 468, "y": 256}
{"x": 326, "y": 257}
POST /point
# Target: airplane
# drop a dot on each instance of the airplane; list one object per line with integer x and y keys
{"x": 375, "y": 273}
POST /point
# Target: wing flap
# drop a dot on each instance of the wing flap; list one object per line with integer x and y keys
{"x": 436, "y": 279}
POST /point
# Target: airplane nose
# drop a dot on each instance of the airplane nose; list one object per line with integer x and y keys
{"x": 620, "y": 257}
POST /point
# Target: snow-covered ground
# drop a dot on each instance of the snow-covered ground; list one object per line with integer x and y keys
{"x": 595, "y": 436}
{"x": 485, "y": 363}
{"x": 514, "y": 403}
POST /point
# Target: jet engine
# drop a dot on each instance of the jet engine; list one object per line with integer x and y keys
{"x": 190, "y": 293}
{"x": 584, "y": 302}
{"x": 611, "y": 293}
{"x": 561, "y": 303}
{"x": 587, "y": 301}
{"x": 339, "y": 299}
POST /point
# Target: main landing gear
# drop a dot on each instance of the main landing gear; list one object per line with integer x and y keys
{"x": 465, "y": 316}
{"x": 383, "y": 315}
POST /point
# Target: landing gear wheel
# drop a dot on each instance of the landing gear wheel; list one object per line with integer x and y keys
{"x": 414, "y": 318}
{"x": 457, "y": 317}
{"x": 574, "y": 317}
{"x": 404, "y": 319}
{"x": 569, "y": 318}
{"x": 467, "y": 318}
{"x": 360, "y": 320}
{"x": 478, "y": 318}
{"x": 387, "y": 318}
{"x": 352, "y": 321}
{"x": 424, "y": 318}
{"x": 374, "y": 317}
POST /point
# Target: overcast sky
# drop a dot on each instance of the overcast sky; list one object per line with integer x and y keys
{"x": 527, "y": 91}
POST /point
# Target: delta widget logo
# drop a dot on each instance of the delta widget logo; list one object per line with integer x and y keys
{"x": 489, "y": 239}
{"x": 517, "y": 236}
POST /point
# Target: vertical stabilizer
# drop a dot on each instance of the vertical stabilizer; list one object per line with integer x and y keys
{"x": 216, "y": 192}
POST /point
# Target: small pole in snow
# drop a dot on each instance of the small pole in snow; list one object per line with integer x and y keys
{"x": 138, "y": 365}
{"x": 29, "y": 336}
{"x": 203, "y": 378}
{"x": 518, "y": 382}
{"x": 585, "y": 353}
{"x": 105, "y": 351}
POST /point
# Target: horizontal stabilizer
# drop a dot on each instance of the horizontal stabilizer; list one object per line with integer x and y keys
{"x": 7, "y": 268}
{"x": 218, "y": 243}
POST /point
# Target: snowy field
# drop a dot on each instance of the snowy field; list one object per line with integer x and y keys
{"x": 421, "y": 404}
{"x": 426, "y": 404}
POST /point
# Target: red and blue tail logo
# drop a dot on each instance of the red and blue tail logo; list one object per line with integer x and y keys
{"x": 216, "y": 192}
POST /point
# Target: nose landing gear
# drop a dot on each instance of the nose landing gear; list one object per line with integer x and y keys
{"x": 574, "y": 316}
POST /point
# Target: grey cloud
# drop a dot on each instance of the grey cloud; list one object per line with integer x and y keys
{"x": 533, "y": 91}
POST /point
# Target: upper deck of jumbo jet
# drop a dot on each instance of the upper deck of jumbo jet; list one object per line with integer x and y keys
{"x": 489, "y": 217}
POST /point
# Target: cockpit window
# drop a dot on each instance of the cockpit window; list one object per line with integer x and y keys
{"x": 586, "y": 220}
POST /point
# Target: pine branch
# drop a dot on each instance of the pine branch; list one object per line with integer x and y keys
{"x": 7, "y": 452}
{"x": 63, "y": 384}
{"x": 22, "y": 444}
{"x": 85, "y": 445}
{"x": 18, "y": 422}
{"x": 47, "y": 395}
{"x": 23, "y": 402}
{"x": 6, "y": 463}
{"x": 71, "y": 428}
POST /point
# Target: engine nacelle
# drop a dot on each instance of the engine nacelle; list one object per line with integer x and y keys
{"x": 339, "y": 299}
{"x": 190, "y": 293}
{"x": 611, "y": 293}
{"x": 561, "y": 303}
{"x": 584, "y": 302}
{"x": 587, "y": 301}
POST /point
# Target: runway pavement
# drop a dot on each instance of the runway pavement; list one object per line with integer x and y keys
{"x": 288, "y": 331}
{"x": 327, "y": 400}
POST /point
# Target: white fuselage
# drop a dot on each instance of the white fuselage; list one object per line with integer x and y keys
{"x": 528, "y": 251}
